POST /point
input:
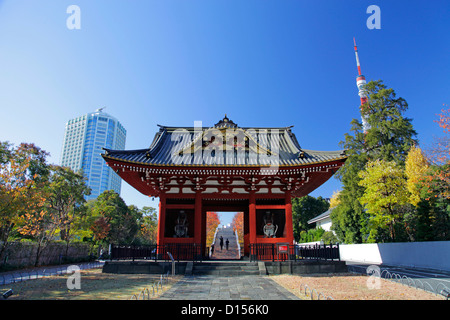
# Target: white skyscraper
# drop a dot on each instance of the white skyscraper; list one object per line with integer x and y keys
{"x": 84, "y": 139}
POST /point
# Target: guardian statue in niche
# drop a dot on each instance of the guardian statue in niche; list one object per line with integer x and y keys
{"x": 269, "y": 229}
{"x": 181, "y": 228}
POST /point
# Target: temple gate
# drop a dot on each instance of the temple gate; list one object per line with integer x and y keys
{"x": 194, "y": 170}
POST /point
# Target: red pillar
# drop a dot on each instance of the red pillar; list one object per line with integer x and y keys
{"x": 288, "y": 211}
{"x": 252, "y": 217}
{"x": 198, "y": 218}
{"x": 161, "y": 219}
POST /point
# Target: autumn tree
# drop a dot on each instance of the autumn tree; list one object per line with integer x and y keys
{"x": 100, "y": 229}
{"x": 385, "y": 194}
{"x": 38, "y": 222}
{"x": 212, "y": 222}
{"x": 24, "y": 173}
{"x": 334, "y": 200}
{"x": 15, "y": 185}
{"x": 439, "y": 153}
{"x": 416, "y": 167}
{"x": 433, "y": 210}
{"x": 441, "y": 157}
{"x": 238, "y": 226}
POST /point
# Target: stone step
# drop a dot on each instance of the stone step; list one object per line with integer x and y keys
{"x": 226, "y": 269}
{"x": 226, "y": 272}
{"x": 218, "y": 263}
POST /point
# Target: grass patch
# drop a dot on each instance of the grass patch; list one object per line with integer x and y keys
{"x": 94, "y": 284}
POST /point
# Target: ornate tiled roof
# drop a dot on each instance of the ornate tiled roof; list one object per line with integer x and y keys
{"x": 224, "y": 144}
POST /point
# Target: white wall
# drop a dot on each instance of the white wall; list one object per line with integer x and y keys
{"x": 430, "y": 254}
{"x": 325, "y": 224}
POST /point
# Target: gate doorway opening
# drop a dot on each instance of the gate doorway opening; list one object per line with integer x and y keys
{"x": 225, "y": 235}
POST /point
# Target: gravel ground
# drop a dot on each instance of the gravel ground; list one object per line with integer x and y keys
{"x": 353, "y": 287}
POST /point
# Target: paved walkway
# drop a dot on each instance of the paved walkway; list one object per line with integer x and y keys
{"x": 227, "y": 288}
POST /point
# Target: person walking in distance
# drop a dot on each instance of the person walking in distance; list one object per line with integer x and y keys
{"x": 221, "y": 242}
{"x": 227, "y": 243}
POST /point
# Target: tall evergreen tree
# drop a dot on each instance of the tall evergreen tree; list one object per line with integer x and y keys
{"x": 389, "y": 138}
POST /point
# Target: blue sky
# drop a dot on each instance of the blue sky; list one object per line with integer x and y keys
{"x": 263, "y": 63}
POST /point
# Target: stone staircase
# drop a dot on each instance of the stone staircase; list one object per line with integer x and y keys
{"x": 225, "y": 262}
{"x": 232, "y": 253}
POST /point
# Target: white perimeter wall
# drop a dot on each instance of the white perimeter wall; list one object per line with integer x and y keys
{"x": 430, "y": 254}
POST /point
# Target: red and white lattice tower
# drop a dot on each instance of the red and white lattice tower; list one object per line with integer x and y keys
{"x": 360, "y": 83}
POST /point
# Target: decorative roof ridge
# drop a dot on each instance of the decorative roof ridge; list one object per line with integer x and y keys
{"x": 167, "y": 128}
{"x": 224, "y": 123}
{"x": 111, "y": 151}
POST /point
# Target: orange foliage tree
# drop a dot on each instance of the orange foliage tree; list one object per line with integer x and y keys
{"x": 15, "y": 184}
{"x": 100, "y": 229}
{"x": 238, "y": 226}
{"x": 212, "y": 222}
{"x": 39, "y": 222}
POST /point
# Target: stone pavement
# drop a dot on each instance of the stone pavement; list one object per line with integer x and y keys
{"x": 227, "y": 288}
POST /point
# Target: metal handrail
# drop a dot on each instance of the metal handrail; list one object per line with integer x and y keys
{"x": 311, "y": 292}
{"x": 238, "y": 244}
{"x": 173, "y": 262}
{"x": 156, "y": 286}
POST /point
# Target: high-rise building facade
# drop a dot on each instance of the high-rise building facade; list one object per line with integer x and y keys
{"x": 84, "y": 139}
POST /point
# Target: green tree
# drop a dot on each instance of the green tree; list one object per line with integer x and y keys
{"x": 66, "y": 192}
{"x": 311, "y": 235}
{"x": 385, "y": 195}
{"x": 130, "y": 225}
{"x": 391, "y": 135}
{"x": 113, "y": 221}
{"x": 304, "y": 209}
{"x": 389, "y": 138}
{"x": 149, "y": 226}
{"x": 39, "y": 169}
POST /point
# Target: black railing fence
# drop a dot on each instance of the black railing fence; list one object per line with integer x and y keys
{"x": 196, "y": 252}
{"x": 277, "y": 252}
{"x": 179, "y": 251}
